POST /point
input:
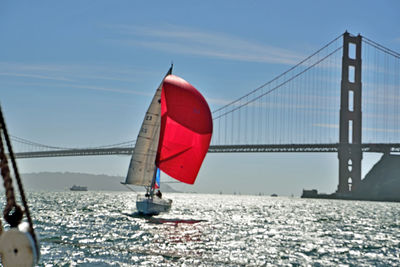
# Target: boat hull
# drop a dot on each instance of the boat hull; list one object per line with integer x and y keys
{"x": 78, "y": 188}
{"x": 152, "y": 206}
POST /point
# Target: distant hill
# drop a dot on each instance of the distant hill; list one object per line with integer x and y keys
{"x": 383, "y": 180}
{"x": 61, "y": 181}
{"x": 382, "y": 183}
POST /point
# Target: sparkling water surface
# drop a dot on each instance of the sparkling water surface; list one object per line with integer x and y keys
{"x": 101, "y": 229}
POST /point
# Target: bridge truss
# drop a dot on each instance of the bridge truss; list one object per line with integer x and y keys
{"x": 292, "y": 148}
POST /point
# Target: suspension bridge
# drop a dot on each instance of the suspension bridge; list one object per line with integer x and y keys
{"x": 344, "y": 98}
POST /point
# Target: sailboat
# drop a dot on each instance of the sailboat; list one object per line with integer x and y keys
{"x": 174, "y": 138}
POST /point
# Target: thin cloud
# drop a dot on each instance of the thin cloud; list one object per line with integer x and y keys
{"x": 383, "y": 130}
{"x": 71, "y": 76}
{"x": 181, "y": 40}
{"x": 67, "y": 73}
{"x": 326, "y": 125}
{"x": 336, "y": 126}
{"x": 107, "y": 89}
{"x": 218, "y": 101}
{"x": 35, "y": 76}
{"x": 85, "y": 87}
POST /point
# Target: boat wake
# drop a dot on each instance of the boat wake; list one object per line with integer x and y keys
{"x": 173, "y": 221}
{"x": 156, "y": 220}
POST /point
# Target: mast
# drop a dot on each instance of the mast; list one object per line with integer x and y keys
{"x": 142, "y": 164}
{"x": 170, "y": 70}
{"x": 153, "y": 181}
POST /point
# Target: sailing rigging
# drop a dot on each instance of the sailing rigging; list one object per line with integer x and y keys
{"x": 174, "y": 137}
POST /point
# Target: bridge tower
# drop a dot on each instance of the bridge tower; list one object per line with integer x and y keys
{"x": 350, "y": 153}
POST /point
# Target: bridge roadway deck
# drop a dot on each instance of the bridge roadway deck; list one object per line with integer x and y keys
{"x": 383, "y": 148}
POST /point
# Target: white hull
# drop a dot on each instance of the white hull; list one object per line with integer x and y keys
{"x": 152, "y": 206}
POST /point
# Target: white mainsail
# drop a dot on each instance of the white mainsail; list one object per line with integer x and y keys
{"x": 142, "y": 166}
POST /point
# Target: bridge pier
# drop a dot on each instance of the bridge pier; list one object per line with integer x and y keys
{"x": 350, "y": 149}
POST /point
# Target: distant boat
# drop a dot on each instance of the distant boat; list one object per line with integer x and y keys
{"x": 174, "y": 137}
{"x": 274, "y": 195}
{"x": 78, "y": 188}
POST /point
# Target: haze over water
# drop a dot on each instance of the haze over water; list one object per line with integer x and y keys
{"x": 99, "y": 229}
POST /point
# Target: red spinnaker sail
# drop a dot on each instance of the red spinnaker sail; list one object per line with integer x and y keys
{"x": 186, "y": 129}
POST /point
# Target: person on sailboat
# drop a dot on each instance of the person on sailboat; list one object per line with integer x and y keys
{"x": 158, "y": 194}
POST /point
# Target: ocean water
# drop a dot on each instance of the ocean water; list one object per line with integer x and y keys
{"x": 101, "y": 229}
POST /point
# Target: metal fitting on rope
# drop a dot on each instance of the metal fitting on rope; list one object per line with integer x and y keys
{"x": 13, "y": 215}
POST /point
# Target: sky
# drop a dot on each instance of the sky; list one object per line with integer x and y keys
{"x": 82, "y": 73}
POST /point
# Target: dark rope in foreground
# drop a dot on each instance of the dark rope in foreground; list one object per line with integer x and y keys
{"x": 5, "y": 172}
